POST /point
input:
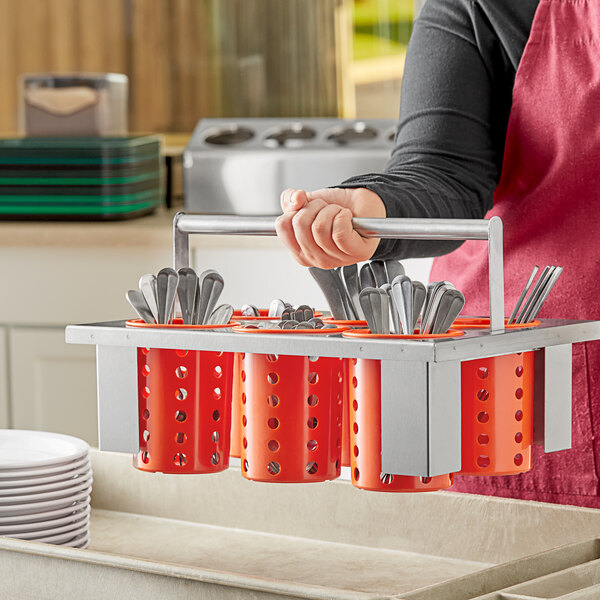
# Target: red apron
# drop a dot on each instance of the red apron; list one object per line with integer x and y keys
{"x": 549, "y": 200}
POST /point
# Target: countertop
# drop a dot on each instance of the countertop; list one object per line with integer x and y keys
{"x": 220, "y": 536}
{"x": 154, "y": 231}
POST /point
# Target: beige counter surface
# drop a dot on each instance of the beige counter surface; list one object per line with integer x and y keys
{"x": 151, "y": 231}
{"x": 222, "y": 537}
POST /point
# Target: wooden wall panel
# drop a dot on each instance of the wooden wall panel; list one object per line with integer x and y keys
{"x": 186, "y": 59}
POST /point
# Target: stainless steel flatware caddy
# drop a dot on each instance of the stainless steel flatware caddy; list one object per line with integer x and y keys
{"x": 420, "y": 378}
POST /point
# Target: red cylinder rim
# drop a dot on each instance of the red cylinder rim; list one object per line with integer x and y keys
{"x": 349, "y": 322}
{"x": 362, "y": 333}
{"x": 263, "y": 315}
{"x": 177, "y": 324}
{"x": 241, "y": 329}
{"x": 484, "y": 323}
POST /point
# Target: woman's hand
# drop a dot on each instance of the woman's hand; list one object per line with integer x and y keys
{"x": 317, "y": 226}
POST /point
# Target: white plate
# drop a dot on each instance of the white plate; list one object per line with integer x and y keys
{"x": 34, "y": 507}
{"x": 47, "y": 487}
{"x": 6, "y": 475}
{"x": 34, "y": 535}
{"x": 31, "y": 518}
{"x": 44, "y": 480}
{"x": 20, "y": 449}
{"x": 42, "y": 525}
{"x": 65, "y": 536}
{"x": 24, "y": 499}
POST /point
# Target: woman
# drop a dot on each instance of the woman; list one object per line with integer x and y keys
{"x": 500, "y": 116}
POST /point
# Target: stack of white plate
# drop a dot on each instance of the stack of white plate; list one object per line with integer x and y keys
{"x": 45, "y": 485}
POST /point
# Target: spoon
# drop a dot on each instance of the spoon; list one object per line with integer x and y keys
{"x": 187, "y": 287}
{"x": 221, "y": 315}
{"x": 327, "y": 281}
{"x": 393, "y": 268}
{"x": 350, "y": 276}
{"x": 378, "y": 270}
{"x": 367, "y": 279}
{"x": 402, "y": 296}
{"x": 396, "y": 326}
{"x": 137, "y": 301}
{"x": 451, "y": 303}
{"x": 276, "y": 308}
{"x": 147, "y": 285}
{"x": 419, "y": 293}
{"x": 166, "y": 290}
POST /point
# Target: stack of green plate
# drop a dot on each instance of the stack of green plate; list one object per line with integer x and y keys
{"x": 81, "y": 178}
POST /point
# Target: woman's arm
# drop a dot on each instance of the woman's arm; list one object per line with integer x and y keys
{"x": 456, "y": 100}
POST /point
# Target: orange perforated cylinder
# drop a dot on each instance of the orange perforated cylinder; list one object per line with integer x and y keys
{"x": 184, "y": 401}
{"x": 497, "y": 414}
{"x": 365, "y": 435}
{"x": 236, "y": 417}
{"x": 291, "y": 409}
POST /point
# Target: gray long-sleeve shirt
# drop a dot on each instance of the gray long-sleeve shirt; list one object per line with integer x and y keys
{"x": 456, "y": 99}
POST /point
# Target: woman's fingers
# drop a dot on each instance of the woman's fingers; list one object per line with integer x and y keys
{"x": 292, "y": 200}
{"x": 285, "y": 232}
{"x": 323, "y": 232}
{"x": 317, "y": 226}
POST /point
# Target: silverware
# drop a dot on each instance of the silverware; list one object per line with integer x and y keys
{"x": 221, "y": 315}
{"x": 187, "y": 287}
{"x": 378, "y": 270}
{"x": 375, "y": 306}
{"x": 545, "y": 293}
{"x": 290, "y": 324}
{"x": 276, "y": 308}
{"x": 348, "y": 304}
{"x": 249, "y": 310}
{"x": 393, "y": 269}
{"x": 432, "y": 289}
{"x": 137, "y": 301}
{"x": 367, "y": 307}
{"x": 332, "y": 288}
{"x": 451, "y": 303}
{"x": 366, "y": 277}
{"x": 147, "y": 285}
{"x": 166, "y": 290}
{"x": 385, "y": 311}
{"x": 428, "y": 318}
{"x": 419, "y": 293}
{"x": 513, "y": 315}
{"x": 534, "y": 295}
{"x": 395, "y": 325}
{"x": 398, "y": 299}
{"x": 352, "y": 282}
{"x": 210, "y": 285}
{"x": 304, "y": 313}
{"x": 215, "y": 292}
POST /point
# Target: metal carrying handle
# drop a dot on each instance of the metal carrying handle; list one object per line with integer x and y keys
{"x": 408, "y": 229}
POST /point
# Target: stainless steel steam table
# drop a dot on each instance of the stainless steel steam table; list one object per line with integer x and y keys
{"x": 420, "y": 379}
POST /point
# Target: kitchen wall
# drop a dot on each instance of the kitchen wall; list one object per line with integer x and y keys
{"x": 188, "y": 59}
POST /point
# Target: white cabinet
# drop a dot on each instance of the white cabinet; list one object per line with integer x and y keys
{"x": 4, "y": 395}
{"x": 52, "y": 384}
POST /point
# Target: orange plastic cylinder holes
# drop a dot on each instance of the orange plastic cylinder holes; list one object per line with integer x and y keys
{"x": 184, "y": 410}
{"x": 291, "y": 426}
{"x": 365, "y": 436}
{"x": 497, "y": 414}
{"x": 236, "y": 417}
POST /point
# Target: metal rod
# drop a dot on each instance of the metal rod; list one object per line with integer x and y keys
{"x": 409, "y": 229}
{"x": 413, "y": 229}
{"x": 496, "y": 274}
